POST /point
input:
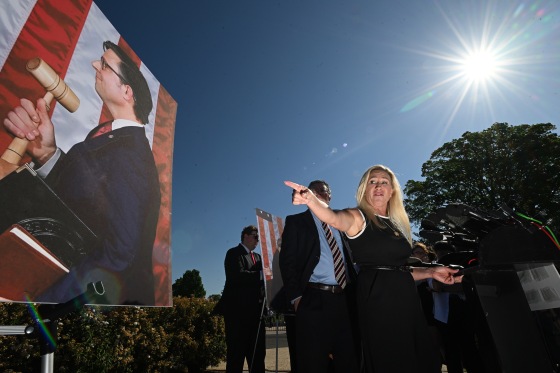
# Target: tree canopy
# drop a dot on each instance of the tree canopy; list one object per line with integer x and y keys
{"x": 516, "y": 165}
{"x": 190, "y": 285}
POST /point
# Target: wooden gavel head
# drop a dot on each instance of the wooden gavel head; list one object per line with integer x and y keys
{"x": 55, "y": 87}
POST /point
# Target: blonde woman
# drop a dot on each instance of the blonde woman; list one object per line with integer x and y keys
{"x": 395, "y": 336}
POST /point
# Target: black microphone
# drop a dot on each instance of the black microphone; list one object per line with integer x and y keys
{"x": 463, "y": 238}
{"x": 428, "y": 224}
{"x": 432, "y": 235}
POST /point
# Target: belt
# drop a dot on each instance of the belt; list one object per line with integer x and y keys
{"x": 388, "y": 268}
{"x": 335, "y": 289}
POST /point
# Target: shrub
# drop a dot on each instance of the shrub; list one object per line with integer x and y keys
{"x": 182, "y": 338}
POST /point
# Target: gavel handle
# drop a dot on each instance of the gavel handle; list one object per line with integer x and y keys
{"x": 15, "y": 151}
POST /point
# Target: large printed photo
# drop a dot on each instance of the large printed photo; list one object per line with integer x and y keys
{"x": 86, "y": 144}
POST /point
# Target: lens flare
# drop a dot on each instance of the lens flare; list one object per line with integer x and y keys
{"x": 43, "y": 329}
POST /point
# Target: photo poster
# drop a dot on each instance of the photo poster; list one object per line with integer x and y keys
{"x": 68, "y": 35}
{"x": 270, "y": 236}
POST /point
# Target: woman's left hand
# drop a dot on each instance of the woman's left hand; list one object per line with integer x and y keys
{"x": 446, "y": 275}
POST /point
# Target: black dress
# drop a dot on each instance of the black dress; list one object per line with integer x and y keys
{"x": 395, "y": 335}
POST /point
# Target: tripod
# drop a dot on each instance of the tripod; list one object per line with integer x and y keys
{"x": 44, "y": 327}
{"x": 261, "y": 318}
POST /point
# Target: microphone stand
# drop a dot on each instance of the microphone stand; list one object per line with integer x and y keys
{"x": 48, "y": 315}
{"x": 261, "y": 319}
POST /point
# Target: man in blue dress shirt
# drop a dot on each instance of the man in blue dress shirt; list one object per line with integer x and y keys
{"x": 323, "y": 306}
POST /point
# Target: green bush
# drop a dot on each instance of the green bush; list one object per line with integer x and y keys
{"x": 182, "y": 338}
{"x": 17, "y": 353}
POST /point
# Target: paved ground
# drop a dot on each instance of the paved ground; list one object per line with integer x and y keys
{"x": 277, "y": 359}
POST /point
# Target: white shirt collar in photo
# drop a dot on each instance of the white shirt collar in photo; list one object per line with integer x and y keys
{"x": 120, "y": 123}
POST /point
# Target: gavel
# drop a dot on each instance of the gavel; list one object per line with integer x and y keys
{"x": 56, "y": 88}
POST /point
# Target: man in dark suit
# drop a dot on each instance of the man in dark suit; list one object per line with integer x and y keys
{"x": 109, "y": 180}
{"x": 322, "y": 301}
{"x": 242, "y": 305}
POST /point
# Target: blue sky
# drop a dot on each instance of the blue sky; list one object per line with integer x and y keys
{"x": 269, "y": 91}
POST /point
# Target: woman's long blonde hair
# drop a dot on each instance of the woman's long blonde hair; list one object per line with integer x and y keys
{"x": 395, "y": 206}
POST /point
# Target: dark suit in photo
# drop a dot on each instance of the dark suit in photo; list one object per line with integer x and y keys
{"x": 111, "y": 183}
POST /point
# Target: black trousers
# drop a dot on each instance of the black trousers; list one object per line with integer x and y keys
{"x": 290, "y": 320}
{"x": 245, "y": 340}
{"x": 324, "y": 332}
{"x": 460, "y": 346}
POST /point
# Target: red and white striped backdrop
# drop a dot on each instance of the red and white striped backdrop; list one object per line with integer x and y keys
{"x": 68, "y": 35}
{"x": 270, "y": 234}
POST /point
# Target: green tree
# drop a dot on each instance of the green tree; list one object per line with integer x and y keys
{"x": 515, "y": 165}
{"x": 190, "y": 285}
{"x": 196, "y": 337}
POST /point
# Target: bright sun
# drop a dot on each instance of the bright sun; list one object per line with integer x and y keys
{"x": 479, "y": 67}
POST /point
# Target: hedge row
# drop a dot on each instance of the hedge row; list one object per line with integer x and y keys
{"x": 182, "y": 338}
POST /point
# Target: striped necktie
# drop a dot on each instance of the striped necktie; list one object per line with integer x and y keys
{"x": 339, "y": 269}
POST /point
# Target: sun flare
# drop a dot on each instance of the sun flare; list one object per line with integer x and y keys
{"x": 491, "y": 61}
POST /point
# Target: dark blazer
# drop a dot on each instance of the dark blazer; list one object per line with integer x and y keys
{"x": 111, "y": 183}
{"x": 243, "y": 293}
{"x": 300, "y": 254}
